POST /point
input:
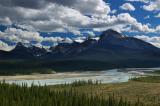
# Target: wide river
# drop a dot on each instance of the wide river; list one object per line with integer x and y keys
{"x": 107, "y": 76}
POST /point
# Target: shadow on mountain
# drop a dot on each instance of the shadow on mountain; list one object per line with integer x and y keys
{"x": 112, "y": 50}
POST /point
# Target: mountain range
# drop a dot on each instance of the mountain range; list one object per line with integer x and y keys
{"x": 112, "y": 50}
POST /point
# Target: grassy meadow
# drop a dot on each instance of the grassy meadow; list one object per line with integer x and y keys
{"x": 147, "y": 91}
{"x": 143, "y": 91}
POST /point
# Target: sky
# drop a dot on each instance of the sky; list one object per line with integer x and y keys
{"x": 48, "y": 22}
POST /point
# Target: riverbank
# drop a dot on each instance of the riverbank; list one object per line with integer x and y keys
{"x": 107, "y": 76}
{"x": 40, "y": 76}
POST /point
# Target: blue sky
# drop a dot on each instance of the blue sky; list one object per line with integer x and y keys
{"x": 139, "y": 12}
{"x": 48, "y": 22}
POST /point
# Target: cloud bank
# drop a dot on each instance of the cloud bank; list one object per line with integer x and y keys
{"x": 34, "y": 16}
{"x": 127, "y": 6}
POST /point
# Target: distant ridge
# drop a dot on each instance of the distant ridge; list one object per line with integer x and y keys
{"x": 112, "y": 48}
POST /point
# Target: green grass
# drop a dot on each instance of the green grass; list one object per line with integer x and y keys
{"x": 156, "y": 72}
{"x": 153, "y": 72}
{"x": 147, "y": 92}
{"x": 78, "y": 83}
{"x": 13, "y": 95}
{"x": 82, "y": 93}
{"x": 147, "y": 79}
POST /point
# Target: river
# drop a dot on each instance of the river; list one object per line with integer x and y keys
{"x": 107, "y": 76}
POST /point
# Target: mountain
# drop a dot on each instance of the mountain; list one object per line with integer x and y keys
{"x": 23, "y": 52}
{"x": 63, "y": 50}
{"x": 110, "y": 42}
{"x": 113, "y": 39}
{"x": 112, "y": 50}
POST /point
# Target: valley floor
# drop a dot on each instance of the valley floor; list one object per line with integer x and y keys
{"x": 37, "y": 76}
{"x": 148, "y": 93}
{"x": 145, "y": 90}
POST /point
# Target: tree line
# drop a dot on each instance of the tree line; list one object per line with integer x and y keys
{"x": 14, "y": 95}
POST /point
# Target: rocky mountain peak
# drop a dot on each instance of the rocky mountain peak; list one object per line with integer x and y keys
{"x": 109, "y": 34}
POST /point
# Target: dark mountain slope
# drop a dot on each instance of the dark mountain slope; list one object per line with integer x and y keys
{"x": 112, "y": 50}
{"x": 22, "y": 52}
{"x": 110, "y": 45}
{"x": 111, "y": 39}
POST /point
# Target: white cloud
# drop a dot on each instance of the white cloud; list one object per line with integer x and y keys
{"x": 127, "y": 6}
{"x": 113, "y": 11}
{"x": 144, "y": 1}
{"x": 158, "y": 15}
{"x": 90, "y": 33}
{"x": 5, "y": 21}
{"x": 95, "y": 7}
{"x": 64, "y": 16}
{"x": 80, "y": 39}
{"x": 67, "y": 40}
{"x": 123, "y": 21}
{"x": 147, "y": 17}
{"x": 55, "y": 18}
{"x": 87, "y": 7}
{"x": 152, "y": 6}
{"x": 158, "y": 28}
{"x": 19, "y": 35}
{"x": 53, "y": 15}
{"x": 67, "y": 16}
{"x": 14, "y": 35}
{"x": 4, "y": 46}
{"x": 155, "y": 40}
